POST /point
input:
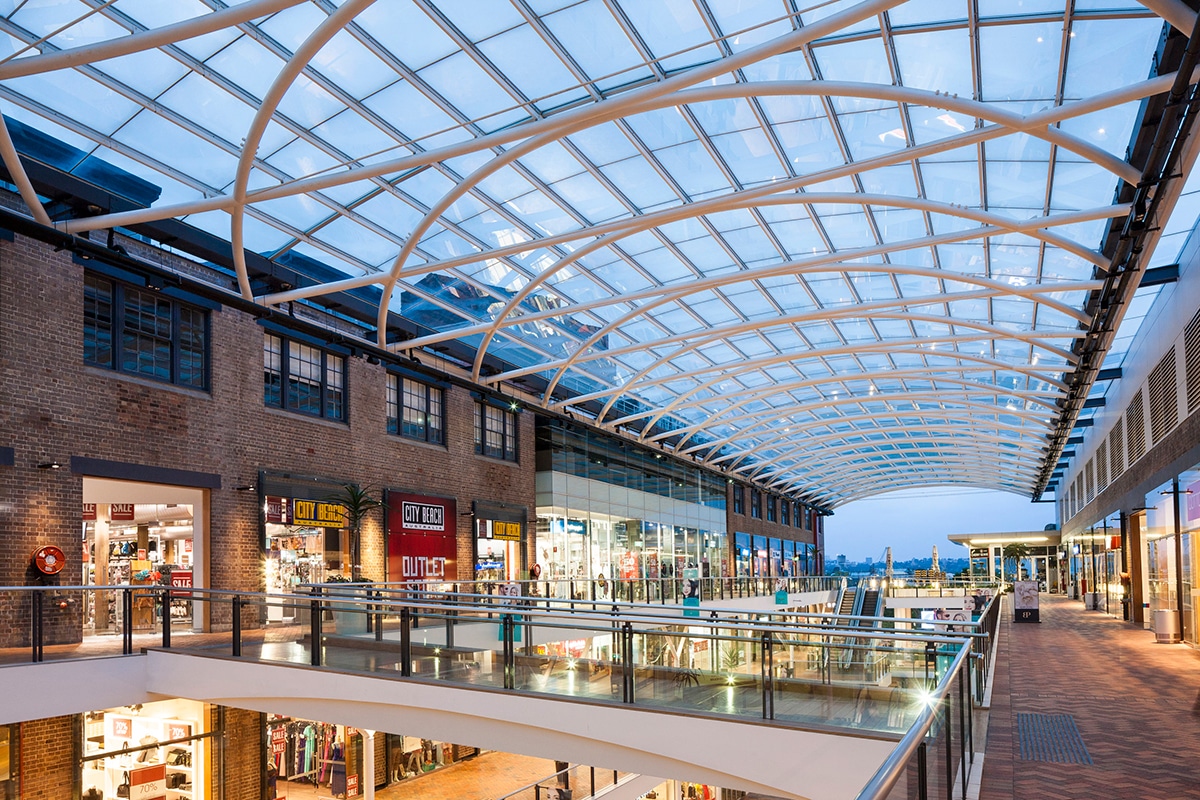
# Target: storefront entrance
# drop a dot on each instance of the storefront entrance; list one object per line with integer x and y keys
{"x": 141, "y": 534}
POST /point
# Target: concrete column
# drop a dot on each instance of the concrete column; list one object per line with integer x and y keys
{"x": 368, "y": 771}
{"x": 1138, "y": 580}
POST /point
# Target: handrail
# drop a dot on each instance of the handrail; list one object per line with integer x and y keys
{"x": 894, "y": 765}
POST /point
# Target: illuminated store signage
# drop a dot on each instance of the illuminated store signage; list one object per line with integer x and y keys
{"x": 315, "y": 514}
{"x": 422, "y": 539}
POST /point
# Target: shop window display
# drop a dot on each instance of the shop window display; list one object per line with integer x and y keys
{"x": 136, "y": 544}
{"x": 152, "y": 750}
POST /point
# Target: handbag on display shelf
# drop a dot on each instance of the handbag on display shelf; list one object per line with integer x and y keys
{"x": 123, "y": 788}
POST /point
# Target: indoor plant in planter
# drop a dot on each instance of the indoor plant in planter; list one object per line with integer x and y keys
{"x": 359, "y": 502}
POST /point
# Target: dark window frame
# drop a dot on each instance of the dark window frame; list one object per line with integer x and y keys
{"x": 487, "y": 417}
{"x": 772, "y": 502}
{"x": 132, "y": 324}
{"x": 432, "y": 429}
{"x": 755, "y": 503}
{"x": 739, "y": 499}
{"x": 285, "y": 393}
{"x": 785, "y": 512}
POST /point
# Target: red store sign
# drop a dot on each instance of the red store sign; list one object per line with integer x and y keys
{"x": 422, "y": 538}
{"x": 181, "y": 579}
{"x": 121, "y": 512}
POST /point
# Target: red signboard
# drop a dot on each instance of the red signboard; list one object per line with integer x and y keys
{"x": 181, "y": 579}
{"x": 89, "y": 512}
{"x": 278, "y": 511}
{"x": 422, "y": 538}
{"x": 629, "y": 566}
{"x": 121, "y": 512}
{"x": 178, "y": 730}
{"x": 122, "y": 728}
{"x": 148, "y": 783}
{"x": 351, "y": 786}
{"x": 279, "y": 741}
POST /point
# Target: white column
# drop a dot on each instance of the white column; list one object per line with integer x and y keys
{"x": 367, "y": 780}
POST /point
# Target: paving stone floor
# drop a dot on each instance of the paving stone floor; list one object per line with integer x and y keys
{"x": 1136, "y": 704}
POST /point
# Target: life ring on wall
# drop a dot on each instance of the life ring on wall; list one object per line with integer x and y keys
{"x": 49, "y": 560}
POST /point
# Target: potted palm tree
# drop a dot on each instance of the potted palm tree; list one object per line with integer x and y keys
{"x": 358, "y": 502}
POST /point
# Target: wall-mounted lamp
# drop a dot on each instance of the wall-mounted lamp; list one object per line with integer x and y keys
{"x": 49, "y": 465}
{"x": 247, "y": 488}
{"x": 372, "y": 359}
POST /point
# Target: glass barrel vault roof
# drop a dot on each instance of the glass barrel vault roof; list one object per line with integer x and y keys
{"x": 835, "y": 247}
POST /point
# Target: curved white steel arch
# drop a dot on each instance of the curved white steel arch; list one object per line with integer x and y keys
{"x": 850, "y": 468}
{"x": 997, "y": 226}
{"x": 838, "y": 312}
{"x": 138, "y": 42}
{"x": 887, "y": 346}
{"x": 752, "y": 394}
{"x": 774, "y": 415}
{"x": 835, "y": 441}
{"x": 752, "y": 364}
{"x": 902, "y": 346}
{"x": 623, "y": 105}
{"x": 937, "y": 422}
{"x": 312, "y": 44}
{"x": 703, "y": 336}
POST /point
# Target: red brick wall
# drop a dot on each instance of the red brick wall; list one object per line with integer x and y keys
{"x": 744, "y": 523}
{"x": 244, "y": 757}
{"x": 52, "y": 407}
{"x": 48, "y": 758}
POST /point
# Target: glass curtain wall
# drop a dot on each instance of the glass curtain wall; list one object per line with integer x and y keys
{"x": 1160, "y": 548}
{"x": 609, "y": 510}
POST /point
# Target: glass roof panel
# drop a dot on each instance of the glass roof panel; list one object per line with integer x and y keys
{"x": 694, "y": 195}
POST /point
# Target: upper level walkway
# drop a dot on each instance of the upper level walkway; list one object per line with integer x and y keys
{"x": 639, "y": 688}
{"x": 1135, "y": 706}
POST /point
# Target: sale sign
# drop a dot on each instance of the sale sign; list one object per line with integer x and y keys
{"x": 181, "y": 579}
{"x": 279, "y": 741}
{"x": 351, "y": 786}
{"x": 148, "y": 783}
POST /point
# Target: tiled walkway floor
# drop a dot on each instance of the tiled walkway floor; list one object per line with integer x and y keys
{"x": 1136, "y": 704}
{"x": 487, "y": 776}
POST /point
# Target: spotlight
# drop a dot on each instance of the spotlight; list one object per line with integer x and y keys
{"x": 49, "y": 465}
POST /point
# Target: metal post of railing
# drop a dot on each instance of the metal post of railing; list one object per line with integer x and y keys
{"x": 627, "y": 660}
{"x": 406, "y": 642}
{"x": 767, "y": 669}
{"x": 591, "y": 782}
{"x": 315, "y": 626}
{"x": 377, "y": 615}
{"x": 510, "y": 657}
{"x": 962, "y": 732}
{"x": 922, "y": 772}
{"x": 166, "y": 617}
{"x": 36, "y": 631}
{"x": 947, "y": 702}
{"x": 127, "y": 621}
{"x": 236, "y": 612}
{"x": 450, "y": 613}
{"x": 970, "y": 718}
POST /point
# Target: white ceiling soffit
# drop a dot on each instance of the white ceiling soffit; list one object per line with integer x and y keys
{"x": 839, "y": 248}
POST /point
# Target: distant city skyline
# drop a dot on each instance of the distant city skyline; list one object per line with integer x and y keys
{"x": 912, "y": 521}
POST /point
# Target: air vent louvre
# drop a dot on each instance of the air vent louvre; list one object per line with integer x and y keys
{"x": 1191, "y": 362}
{"x": 1089, "y": 482}
{"x": 1164, "y": 401}
{"x": 1116, "y": 450}
{"x": 1135, "y": 428}
{"x": 1102, "y": 466}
